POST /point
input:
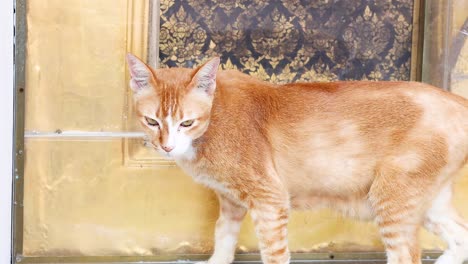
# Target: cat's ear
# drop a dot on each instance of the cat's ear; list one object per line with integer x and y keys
{"x": 139, "y": 72}
{"x": 205, "y": 77}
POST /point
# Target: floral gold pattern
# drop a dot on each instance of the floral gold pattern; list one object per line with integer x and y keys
{"x": 291, "y": 40}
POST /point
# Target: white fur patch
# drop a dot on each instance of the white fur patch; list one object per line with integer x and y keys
{"x": 182, "y": 144}
{"x": 408, "y": 161}
{"x": 211, "y": 183}
{"x": 444, "y": 221}
{"x": 448, "y": 118}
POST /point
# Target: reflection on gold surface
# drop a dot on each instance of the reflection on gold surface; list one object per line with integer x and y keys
{"x": 75, "y": 64}
{"x": 81, "y": 200}
{"x": 81, "y": 197}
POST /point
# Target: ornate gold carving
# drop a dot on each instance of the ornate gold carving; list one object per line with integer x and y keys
{"x": 284, "y": 41}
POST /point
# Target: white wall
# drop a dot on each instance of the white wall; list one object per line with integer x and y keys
{"x": 6, "y": 126}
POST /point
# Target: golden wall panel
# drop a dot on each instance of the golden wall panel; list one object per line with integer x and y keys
{"x": 80, "y": 195}
{"x": 81, "y": 200}
{"x": 74, "y": 65}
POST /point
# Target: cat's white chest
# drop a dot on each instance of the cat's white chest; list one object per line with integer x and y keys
{"x": 203, "y": 178}
{"x": 211, "y": 183}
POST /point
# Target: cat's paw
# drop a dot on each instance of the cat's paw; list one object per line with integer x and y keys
{"x": 446, "y": 258}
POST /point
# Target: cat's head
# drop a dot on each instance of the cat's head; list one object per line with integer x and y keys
{"x": 173, "y": 105}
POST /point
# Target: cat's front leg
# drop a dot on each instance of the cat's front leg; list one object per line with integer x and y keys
{"x": 227, "y": 231}
{"x": 271, "y": 221}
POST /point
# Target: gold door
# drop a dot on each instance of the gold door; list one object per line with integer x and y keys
{"x": 93, "y": 192}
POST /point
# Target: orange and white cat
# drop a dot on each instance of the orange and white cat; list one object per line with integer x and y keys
{"x": 385, "y": 151}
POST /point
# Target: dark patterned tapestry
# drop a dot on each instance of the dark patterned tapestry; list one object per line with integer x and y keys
{"x": 291, "y": 40}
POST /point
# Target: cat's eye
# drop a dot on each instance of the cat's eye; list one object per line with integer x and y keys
{"x": 187, "y": 123}
{"x": 151, "y": 121}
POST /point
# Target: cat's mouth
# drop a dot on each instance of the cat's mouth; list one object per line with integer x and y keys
{"x": 147, "y": 143}
{"x": 163, "y": 153}
{"x": 166, "y": 155}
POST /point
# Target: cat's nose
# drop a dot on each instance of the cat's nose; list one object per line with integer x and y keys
{"x": 167, "y": 148}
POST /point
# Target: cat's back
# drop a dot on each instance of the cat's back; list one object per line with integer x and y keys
{"x": 376, "y": 109}
{"x": 369, "y": 98}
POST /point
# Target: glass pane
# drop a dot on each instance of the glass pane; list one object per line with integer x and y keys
{"x": 446, "y": 46}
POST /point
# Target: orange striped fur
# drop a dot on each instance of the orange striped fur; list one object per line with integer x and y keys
{"x": 385, "y": 151}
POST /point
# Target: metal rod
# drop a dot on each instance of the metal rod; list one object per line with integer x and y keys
{"x": 20, "y": 90}
{"x": 83, "y": 134}
{"x": 248, "y": 258}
